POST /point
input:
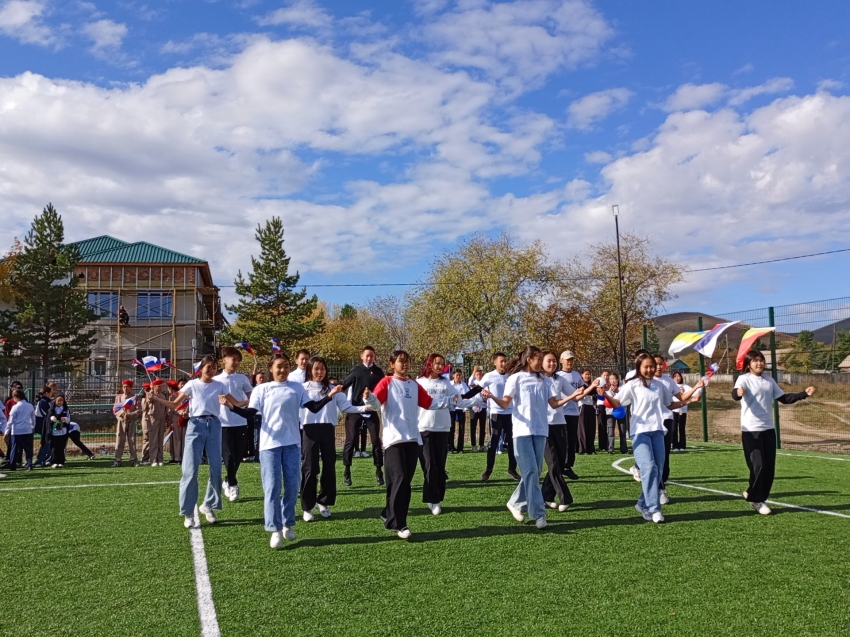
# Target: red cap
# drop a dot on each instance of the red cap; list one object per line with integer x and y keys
{"x": 127, "y": 382}
{"x": 147, "y": 385}
{"x": 158, "y": 382}
{"x": 172, "y": 383}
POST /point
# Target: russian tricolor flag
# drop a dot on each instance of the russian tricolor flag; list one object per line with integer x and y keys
{"x": 447, "y": 372}
{"x": 275, "y": 346}
{"x": 137, "y": 363}
{"x": 196, "y": 368}
{"x": 246, "y": 346}
{"x": 152, "y": 364}
{"x": 164, "y": 363}
{"x": 126, "y": 404}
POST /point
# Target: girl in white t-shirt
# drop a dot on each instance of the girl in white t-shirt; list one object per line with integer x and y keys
{"x": 530, "y": 394}
{"x": 680, "y": 416}
{"x": 478, "y": 417}
{"x": 756, "y": 392}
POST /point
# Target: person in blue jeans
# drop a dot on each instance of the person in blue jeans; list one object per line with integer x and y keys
{"x": 531, "y": 393}
{"x": 279, "y": 403}
{"x": 203, "y": 431}
{"x": 648, "y": 399}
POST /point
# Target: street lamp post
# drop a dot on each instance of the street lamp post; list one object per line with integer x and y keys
{"x": 615, "y": 209}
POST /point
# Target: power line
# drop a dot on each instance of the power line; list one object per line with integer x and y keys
{"x": 743, "y": 265}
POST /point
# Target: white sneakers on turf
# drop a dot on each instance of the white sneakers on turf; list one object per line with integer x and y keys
{"x": 745, "y": 495}
{"x": 517, "y": 513}
{"x": 645, "y": 514}
{"x": 657, "y": 517}
{"x": 405, "y": 534}
{"x": 436, "y": 509}
{"x": 635, "y": 473}
{"x": 189, "y": 521}
{"x": 233, "y": 496}
{"x": 760, "y": 507}
{"x": 541, "y": 522}
{"x": 276, "y": 540}
{"x": 3, "y": 475}
{"x": 225, "y": 489}
{"x": 288, "y": 533}
{"x": 662, "y": 497}
{"x": 324, "y": 511}
{"x": 552, "y": 505}
{"x": 308, "y": 516}
{"x": 209, "y": 514}
{"x": 563, "y": 507}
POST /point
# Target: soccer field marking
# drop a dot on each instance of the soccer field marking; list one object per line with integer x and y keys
{"x": 804, "y": 455}
{"x": 616, "y": 465}
{"x": 89, "y": 486}
{"x": 206, "y": 607}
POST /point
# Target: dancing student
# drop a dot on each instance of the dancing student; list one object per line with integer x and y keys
{"x": 20, "y": 426}
{"x": 157, "y": 418}
{"x": 435, "y": 428}
{"x": 647, "y": 398}
{"x": 202, "y": 432}
{"x": 74, "y": 436}
{"x": 616, "y": 426}
{"x": 587, "y": 416}
{"x": 458, "y": 414}
{"x": 571, "y": 410}
{"x": 234, "y": 428}
{"x": 360, "y": 441}
{"x": 399, "y": 398}
{"x": 299, "y": 374}
{"x": 365, "y": 376}
{"x": 680, "y": 416}
{"x": 556, "y": 440}
{"x": 478, "y": 415}
{"x": 756, "y": 393}
{"x": 125, "y": 426}
{"x": 531, "y": 395}
{"x": 601, "y": 414}
{"x": 59, "y": 418}
{"x": 501, "y": 425}
{"x": 257, "y": 378}
{"x": 319, "y": 442}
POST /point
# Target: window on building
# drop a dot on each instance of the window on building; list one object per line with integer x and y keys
{"x": 154, "y": 305}
{"x": 97, "y": 367}
{"x": 104, "y": 304}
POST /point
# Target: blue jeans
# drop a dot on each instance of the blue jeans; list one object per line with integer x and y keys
{"x": 203, "y": 431}
{"x": 529, "y": 452}
{"x": 648, "y": 449}
{"x": 280, "y": 511}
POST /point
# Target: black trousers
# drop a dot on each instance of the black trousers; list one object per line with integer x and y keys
{"x": 572, "y": 441}
{"x": 587, "y": 429}
{"x": 478, "y": 419}
{"x": 44, "y": 447}
{"x": 432, "y": 458}
{"x": 760, "y": 453}
{"x": 668, "y": 443}
{"x": 679, "y": 439}
{"x": 352, "y": 430}
{"x": 75, "y": 438}
{"x": 360, "y": 439}
{"x": 20, "y": 442}
{"x": 233, "y": 443}
{"x": 400, "y": 467}
{"x": 459, "y": 426}
{"x": 57, "y": 448}
{"x": 615, "y": 428}
{"x": 554, "y": 455}
{"x": 501, "y": 424}
{"x": 318, "y": 442}
{"x": 602, "y": 427}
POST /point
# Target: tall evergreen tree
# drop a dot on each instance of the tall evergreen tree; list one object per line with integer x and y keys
{"x": 48, "y": 325}
{"x": 269, "y": 306}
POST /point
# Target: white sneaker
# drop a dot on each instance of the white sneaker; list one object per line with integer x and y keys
{"x": 3, "y": 475}
{"x": 760, "y": 507}
{"x": 662, "y": 497}
{"x": 324, "y": 511}
{"x": 645, "y": 514}
{"x": 436, "y": 509}
{"x": 552, "y": 505}
{"x": 563, "y": 507}
{"x": 288, "y": 534}
{"x": 308, "y": 516}
{"x": 657, "y": 517}
{"x": 189, "y": 521}
{"x": 233, "y": 496}
{"x": 541, "y": 522}
{"x": 405, "y": 534}
{"x": 209, "y": 514}
{"x": 635, "y": 473}
{"x": 276, "y": 540}
{"x": 745, "y": 495}
{"x": 518, "y": 515}
{"x": 54, "y": 466}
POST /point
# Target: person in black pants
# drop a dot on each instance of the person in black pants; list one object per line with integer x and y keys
{"x": 74, "y": 436}
{"x": 501, "y": 423}
{"x": 42, "y": 425}
{"x": 362, "y": 377}
{"x": 556, "y": 442}
{"x": 571, "y": 410}
{"x": 458, "y": 415}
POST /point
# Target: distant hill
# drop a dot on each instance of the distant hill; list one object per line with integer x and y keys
{"x": 826, "y": 333}
{"x": 668, "y": 326}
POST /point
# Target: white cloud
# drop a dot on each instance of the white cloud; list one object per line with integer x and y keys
{"x": 22, "y": 20}
{"x": 775, "y": 85}
{"x": 597, "y": 157}
{"x": 690, "y": 96}
{"x": 585, "y": 112}
{"x": 105, "y": 34}
{"x": 519, "y": 43}
{"x": 305, "y": 13}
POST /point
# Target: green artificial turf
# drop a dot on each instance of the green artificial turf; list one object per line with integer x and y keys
{"x": 117, "y": 560}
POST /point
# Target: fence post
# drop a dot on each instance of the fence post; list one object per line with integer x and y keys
{"x": 703, "y": 403}
{"x": 775, "y": 373}
{"x": 644, "y": 337}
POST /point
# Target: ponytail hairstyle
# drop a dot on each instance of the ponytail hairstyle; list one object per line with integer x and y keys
{"x": 325, "y": 382}
{"x": 752, "y": 355}
{"x": 638, "y": 361}
{"x": 428, "y": 367}
{"x": 520, "y": 362}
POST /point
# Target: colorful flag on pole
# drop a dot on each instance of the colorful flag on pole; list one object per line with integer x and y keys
{"x": 164, "y": 362}
{"x": 275, "y": 346}
{"x": 196, "y": 368}
{"x": 246, "y": 346}
{"x": 447, "y": 372}
{"x": 750, "y": 337}
{"x": 151, "y": 364}
{"x": 683, "y": 340}
{"x": 707, "y": 343}
{"x": 183, "y": 405}
{"x": 137, "y": 363}
{"x": 126, "y": 404}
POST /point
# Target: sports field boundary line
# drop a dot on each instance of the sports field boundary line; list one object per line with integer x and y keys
{"x": 616, "y": 465}
{"x": 206, "y": 607}
{"x": 89, "y": 486}
{"x": 807, "y": 455}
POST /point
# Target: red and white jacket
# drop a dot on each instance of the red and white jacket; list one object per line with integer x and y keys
{"x": 399, "y": 402}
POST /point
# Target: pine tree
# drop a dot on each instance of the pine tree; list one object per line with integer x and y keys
{"x": 48, "y": 325}
{"x": 269, "y": 306}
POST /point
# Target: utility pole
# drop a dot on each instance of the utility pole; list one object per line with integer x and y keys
{"x": 615, "y": 209}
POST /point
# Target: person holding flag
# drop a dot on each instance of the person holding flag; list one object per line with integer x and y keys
{"x": 126, "y": 410}
{"x": 157, "y": 418}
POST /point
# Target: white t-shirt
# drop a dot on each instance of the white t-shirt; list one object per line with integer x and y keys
{"x": 530, "y": 393}
{"x": 445, "y": 391}
{"x": 329, "y": 414}
{"x": 203, "y": 397}
{"x": 461, "y": 388}
{"x": 684, "y": 389}
{"x": 280, "y": 404}
{"x": 673, "y": 387}
{"x": 631, "y": 374}
{"x": 562, "y": 390}
{"x": 574, "y": 381}
{"x": 400, "y": 401}
{"x": 21, "y": 419}
{"x": 239, "y": 387}
{"x": 297, "y": 375}
{"x": 757, "y": 402}
{"x": 494, "y": 382}
{"x": 647, "y": 405}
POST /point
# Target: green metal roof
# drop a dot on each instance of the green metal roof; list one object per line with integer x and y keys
{"x": 108, "y": 249}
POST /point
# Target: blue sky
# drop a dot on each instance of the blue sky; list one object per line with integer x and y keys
{"x": 384, "y": 132}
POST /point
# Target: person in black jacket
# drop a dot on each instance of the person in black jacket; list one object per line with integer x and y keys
{"x": 365, "y": 376}
{"x": 42, "y": 425}
{"x": 59, "y": 421}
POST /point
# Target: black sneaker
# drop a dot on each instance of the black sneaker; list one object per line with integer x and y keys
{"x": 379, "y": 477}
{"x": 571, "y": 474}
{"x": 346, "y": 479}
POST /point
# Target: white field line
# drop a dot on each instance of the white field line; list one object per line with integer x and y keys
{"x": 804, "y": 455}
{"x": 89, "y": 486}
{"x": 206, "y": 607}
{"x": 617, "y": 466}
